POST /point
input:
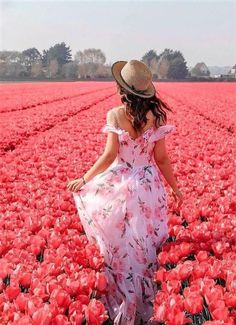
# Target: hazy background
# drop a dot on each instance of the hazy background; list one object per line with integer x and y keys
{"x": 201, "y": 30}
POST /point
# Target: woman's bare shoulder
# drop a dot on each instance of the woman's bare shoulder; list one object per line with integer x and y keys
{"x": 118, "y": 112}
{"x": 113, "y": 115}
{"x": 112, "y": 111}
{"x": 118, "y": 109}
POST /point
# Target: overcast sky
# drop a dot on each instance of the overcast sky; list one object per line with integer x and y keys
{"x": 123, "y": 30}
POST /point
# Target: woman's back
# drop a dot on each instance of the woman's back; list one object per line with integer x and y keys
{"x": 125, "y": 123}
{"x": 134, "y": 151}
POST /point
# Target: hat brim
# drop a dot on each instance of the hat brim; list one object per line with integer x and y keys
{"x": 116, "y": 69}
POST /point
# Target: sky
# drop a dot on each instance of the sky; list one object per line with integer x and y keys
{"x": 204, "y": 31}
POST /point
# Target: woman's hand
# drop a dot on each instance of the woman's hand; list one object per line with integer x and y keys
{"x": 178, "y": 196}
{"x": 75, "y": 185}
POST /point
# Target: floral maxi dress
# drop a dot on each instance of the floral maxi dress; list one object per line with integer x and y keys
{"x": 124, "y": 210}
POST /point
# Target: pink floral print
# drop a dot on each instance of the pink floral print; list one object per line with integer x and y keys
{"x": 124, "y": 211}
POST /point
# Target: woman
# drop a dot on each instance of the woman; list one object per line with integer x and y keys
{"x": 122, "y": 200}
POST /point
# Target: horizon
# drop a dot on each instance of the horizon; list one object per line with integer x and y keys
{"x": 203, "y": 31}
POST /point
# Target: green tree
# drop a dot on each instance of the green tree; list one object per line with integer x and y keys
{"x": 174, "y": 63}
{"x": 30, "y": 56}
{"x": 59, "y": 52}
{"x": 177, "y": 69}
{"x": 151, "y": 60}
{"x": 90, "y": 62}
{"x": 70, "y": 70}
{"x": 11, "y": 64}
{"x": 91, "y": 55}
{"x": 149, "y": 57}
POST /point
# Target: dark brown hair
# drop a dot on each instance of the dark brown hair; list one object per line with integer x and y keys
{"x": 138, "y": 108}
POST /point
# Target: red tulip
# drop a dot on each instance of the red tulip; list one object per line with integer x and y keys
{"x": 185, "y": 270}
{"x": 231, "y": 281}
{"x": 25, "y": 320}
{"x": 199, "y": 271}
{"x": 95, "y": 312}
{"x": 230, "y": 299}
{"x": 55, "y": 240}
{"x": 101, "y": 282}
{"x": 76, "y": 312}
{"x": 160, "y": 297}
{"x": 159, "y": 275}
{"x": 25, "y": 280}
{"x": 171, "y": 286}
{"x": 61, "y": 297}
{"x": 213, "y": 295}
{"x": 4, "y": 268}
{"x": 12, "y": 292}
{"x": 60, "y": 320}
{"x": 50, "y": 286}
{"x": 193, "y": 303}
{"x": 31, "y": 307}
{"x": 42, "y": 316}
{"x": 220, "y": 313}
{"x": 163, "y": 258}
{"x": 185, "y": 248}
{"x": 178, "y": 318}
{"x": 21, "y": 301}
{"x": 161, "y": 313}
{"x": 202, "y": 256}
{"x": 72, "y": 287}
{"x": 83, "y": 299}
{"x": 76, "y": 318}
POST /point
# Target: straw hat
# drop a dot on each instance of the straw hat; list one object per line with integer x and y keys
{"x": 135, "y": 77}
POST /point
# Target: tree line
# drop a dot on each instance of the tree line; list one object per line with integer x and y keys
{"x": 57, "y": 63}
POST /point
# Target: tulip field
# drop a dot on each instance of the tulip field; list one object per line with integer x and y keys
{"x": 50, "y": 133}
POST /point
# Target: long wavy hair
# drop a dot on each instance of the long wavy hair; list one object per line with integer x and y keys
{"x": 138, "y": 107}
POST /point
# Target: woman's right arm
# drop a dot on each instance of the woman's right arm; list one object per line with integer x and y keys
{"x": 163, "y": 162}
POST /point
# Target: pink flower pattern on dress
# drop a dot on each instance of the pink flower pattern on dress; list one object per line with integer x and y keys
{"x": 124, "y": 210}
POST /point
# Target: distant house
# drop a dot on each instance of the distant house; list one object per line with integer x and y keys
{"x": 232, "y": 72}
{"x": 200, "y": 70}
